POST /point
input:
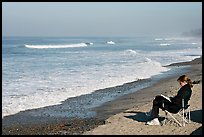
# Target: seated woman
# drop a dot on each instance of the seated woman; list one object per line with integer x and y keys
{"x": 175, "y": 103}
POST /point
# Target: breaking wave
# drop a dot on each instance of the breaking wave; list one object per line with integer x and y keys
{"x": 56, "y": 46}
{"x": 130, "y": 52}
{"x": 164, "y": 44}
{"x": 110, "y": 42}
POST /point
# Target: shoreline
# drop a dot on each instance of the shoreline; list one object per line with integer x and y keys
{"x": 23, "y": 123}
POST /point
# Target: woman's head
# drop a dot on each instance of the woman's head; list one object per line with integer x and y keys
{"x": 184, "y": 80}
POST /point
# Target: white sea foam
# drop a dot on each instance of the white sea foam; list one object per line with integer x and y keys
{"x": 91, "y": 78}
{"x": 174, "y": 56}
{"x": 158, "y": 39}
{"x": 110, "y": 42}
{"x": 193, "y": 43}
{"x": 164, "y": 44}
{"x": 130, "y": 52}
{"x": 56, "y": 46}
{"x": 168, "y": 39}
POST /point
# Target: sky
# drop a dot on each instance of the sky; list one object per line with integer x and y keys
{"x": 100, "y": 18}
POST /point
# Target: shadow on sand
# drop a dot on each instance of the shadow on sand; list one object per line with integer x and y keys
{"x": 139, "y": 116}
{"x": 196, "y": 116}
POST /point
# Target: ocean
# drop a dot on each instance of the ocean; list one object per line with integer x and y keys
{"x": 44, "y": 71}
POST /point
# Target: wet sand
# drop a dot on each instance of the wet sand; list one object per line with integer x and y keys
{"x": 28, "y": 123}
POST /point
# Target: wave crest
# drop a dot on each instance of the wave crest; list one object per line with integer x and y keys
{"x": 152, "y": 62}
{"x": 110, "y": 42}
{"x": 56, "y": 46}
{"x": 130, "y": 52}
{"x": 164, "y": 44}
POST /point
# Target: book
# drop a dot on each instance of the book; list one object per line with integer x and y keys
{"x": 168, "y": 98}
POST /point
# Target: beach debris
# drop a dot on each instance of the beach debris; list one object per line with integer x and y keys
{"x": 196, "y": 81}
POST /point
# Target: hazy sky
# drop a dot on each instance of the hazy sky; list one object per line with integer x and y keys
{"x": 99, "y": 18}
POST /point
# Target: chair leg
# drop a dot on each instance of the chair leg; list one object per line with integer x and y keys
{"x": 183, "y": 118}
{"x": 175, "y": 119}
{"x": 189, "y": 115}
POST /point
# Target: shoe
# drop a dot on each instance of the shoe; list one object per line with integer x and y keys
{"x": 155, "y": 121}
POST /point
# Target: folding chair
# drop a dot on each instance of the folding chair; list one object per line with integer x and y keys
{"x": 184, "y": 114}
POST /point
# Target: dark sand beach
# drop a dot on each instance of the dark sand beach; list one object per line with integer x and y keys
{"x": 36, "y": 122}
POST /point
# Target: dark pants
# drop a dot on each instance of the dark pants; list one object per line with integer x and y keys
{"x": 164, "y": 104}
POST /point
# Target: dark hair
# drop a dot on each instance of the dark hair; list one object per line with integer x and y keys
{"x": 184, "y": 78}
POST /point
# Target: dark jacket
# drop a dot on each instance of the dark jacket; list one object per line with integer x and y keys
{"x": 183, "y": 93}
